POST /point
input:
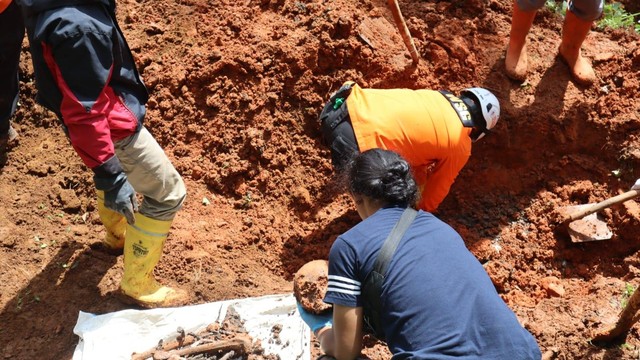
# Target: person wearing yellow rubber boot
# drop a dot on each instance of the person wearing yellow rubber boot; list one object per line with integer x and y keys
{"x": 578, "y": 20}
{"x": 150, "y": 173}
{"x": 86, "y": 74}
{"x": 141, "y": 235}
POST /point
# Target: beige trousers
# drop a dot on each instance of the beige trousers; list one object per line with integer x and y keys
{"x": 151, "y": 174}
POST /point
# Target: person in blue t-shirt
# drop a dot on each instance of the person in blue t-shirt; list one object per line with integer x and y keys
{"x": 437, "y": 301}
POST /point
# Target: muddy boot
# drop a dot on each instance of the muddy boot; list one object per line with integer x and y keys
{"x": 114, "y": 223}
{"x": 142, "y": 250}
{"x": 516, "y": 62}
{"x": 574, "y": 31}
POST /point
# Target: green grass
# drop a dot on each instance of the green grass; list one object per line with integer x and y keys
{"x": 558, "y": 7}
{"x": 628, "y": 291}
{"x": 616, "y": 17}
{"x": 247, "y": 200}
{"x": 626, "y": 346}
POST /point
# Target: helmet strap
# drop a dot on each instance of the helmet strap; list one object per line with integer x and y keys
{"x": 469, "y": 113}
{"x": 480, "y": 125}
{"x": 474, "y": 109}
{"x": 460, "y": 108}
{"x": 477, "y": 134}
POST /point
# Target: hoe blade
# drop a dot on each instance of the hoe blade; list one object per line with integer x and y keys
{"x": 590, "y": 228}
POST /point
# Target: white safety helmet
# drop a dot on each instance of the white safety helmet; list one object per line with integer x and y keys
{"x": 489, "y": 106}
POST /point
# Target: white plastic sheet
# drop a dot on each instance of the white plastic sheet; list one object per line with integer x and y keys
{"x": 117, "y": 335}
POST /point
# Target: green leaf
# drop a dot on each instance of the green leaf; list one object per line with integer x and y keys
{"x": 616, "y": 17}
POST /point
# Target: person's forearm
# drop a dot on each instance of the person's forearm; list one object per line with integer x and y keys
{"x": 326, "y": 338}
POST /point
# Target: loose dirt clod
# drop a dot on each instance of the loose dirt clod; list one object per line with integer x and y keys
{"x": 310, "y": 286}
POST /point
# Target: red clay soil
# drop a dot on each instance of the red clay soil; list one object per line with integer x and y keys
{"x": 236, "y": 87}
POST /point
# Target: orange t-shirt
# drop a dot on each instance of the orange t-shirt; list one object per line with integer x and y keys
{"x": 420, "y": 125}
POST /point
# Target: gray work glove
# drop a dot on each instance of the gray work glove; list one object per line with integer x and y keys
{"x": 636, "y": 186}
{"x": 119, "y": 196}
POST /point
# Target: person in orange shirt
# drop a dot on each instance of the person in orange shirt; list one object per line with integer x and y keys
{"x": 433, "y": 130}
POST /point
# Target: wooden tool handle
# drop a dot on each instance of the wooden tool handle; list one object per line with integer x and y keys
{"x": 603, "y": 204}
{"x": 404, "y": 30}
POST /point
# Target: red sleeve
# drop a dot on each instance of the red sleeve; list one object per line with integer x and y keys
{"x": 92, "y": 112}
{"x": 4, "y": 4}
{"x": 88, "y": 127}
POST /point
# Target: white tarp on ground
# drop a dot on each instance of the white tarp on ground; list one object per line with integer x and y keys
{"x": 117, "y": 335}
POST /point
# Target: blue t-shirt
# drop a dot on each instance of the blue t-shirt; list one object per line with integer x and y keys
{"x": 437, "y": 300}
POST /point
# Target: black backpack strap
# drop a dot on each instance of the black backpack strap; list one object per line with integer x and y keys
{"x": 393, "y": 240}
{"x": 372, "y": 286}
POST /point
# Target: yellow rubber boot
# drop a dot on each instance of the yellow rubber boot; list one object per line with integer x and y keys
{"x": 574, "y": 32}
{"x": 142, "y": 251}
{"x": 115, "y": 224}
{"x": 516, "y": 62}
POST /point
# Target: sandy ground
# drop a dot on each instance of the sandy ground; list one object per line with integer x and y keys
{"x": 236, "y": 87}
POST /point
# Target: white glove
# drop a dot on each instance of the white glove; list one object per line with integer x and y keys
{"x": 636, "y": 186}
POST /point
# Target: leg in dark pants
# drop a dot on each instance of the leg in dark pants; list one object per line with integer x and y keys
{"x": 11, "y": 35}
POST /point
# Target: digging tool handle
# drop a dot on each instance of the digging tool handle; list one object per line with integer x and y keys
{"x": 404, "y": 30}
{"x": 603, "y": 205}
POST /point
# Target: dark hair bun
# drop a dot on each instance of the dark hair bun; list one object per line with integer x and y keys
{"x": 383, "y": 175}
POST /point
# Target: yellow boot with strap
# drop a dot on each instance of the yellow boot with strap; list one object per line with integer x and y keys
{"x": 115, "y": 224}
{"x": 142, "y": 250}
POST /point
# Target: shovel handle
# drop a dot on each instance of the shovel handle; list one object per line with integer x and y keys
{"x": 603, "y": 205}
{"x": 404, "y": 30}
